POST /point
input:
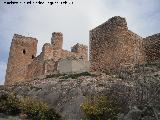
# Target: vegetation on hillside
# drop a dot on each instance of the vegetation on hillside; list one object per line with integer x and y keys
{"x": 72, "y": 76}
{"x": 101, "y": 108}
{"x": 11, "y": 104}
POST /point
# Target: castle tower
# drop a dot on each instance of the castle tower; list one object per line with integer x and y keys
{"x": 80, "y": 50}
{"x": 113, "y": 46}
{"x": 57, "y": 40}
{"x": 22, "y": 52}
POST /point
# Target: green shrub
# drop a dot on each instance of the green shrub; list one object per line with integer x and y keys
{"x": 52, "y": 115}
{"x": 9, "y": 104}
{"x": 100, "y": 108}
{"x": 12, "y": 104}
{"x": 72, "y": 75}
{"x": 77, "y": 75}
{"x": 54, "y": 75}
{"x": 33, "y": 108}
{"x": 38, "y": 110}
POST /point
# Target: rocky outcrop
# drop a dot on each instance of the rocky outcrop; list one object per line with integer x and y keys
{"x": 139, "y": 87}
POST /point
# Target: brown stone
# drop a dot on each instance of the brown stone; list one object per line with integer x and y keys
{"x": 22, "y": 51}
{"x": 113, "y": 46}
{"x": 23, "y": 63}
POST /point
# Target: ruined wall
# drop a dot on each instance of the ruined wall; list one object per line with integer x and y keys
{"x": 81, "y": 51}
{"x": 72, "y": 65}
{"x": 50, "y": 66}
{"x": 152, "y": 47}
{"x": 112, "y": 45}
{"x": 47, "y": 51}
{"x": 22, "y": 52}
{"x": 54, "y": 50}
{"x": 46, "y": 62}
{"x": 38, "y": 68}
{"x": 64, "y": 66}
{"x": 23, "y": 63}
{"x": 57, "y": 40}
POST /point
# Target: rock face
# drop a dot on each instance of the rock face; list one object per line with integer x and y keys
{"x": 66, "y": 95}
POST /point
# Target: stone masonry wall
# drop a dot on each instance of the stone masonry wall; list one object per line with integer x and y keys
{"x": 54, "y": 50}
{"x": 152, "y": 47}
{"x": 57, "y": 40}
{"x": 81, "y": 50}
{"x": 112, "y": 45}
{"x": 38, "y": 68}
{"x": 22, "y": 52}
{"x": 46, "y": 62}
{"x": 23, "y": 63}
{"x": 47, "y": 51}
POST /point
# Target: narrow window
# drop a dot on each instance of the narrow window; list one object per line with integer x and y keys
{"x": 33, "y": 57}
{"x": 81, "y": 57}
{"x": 24, "y": 51}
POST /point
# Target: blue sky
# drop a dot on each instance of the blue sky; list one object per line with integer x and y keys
{"x": 74, "y": 21}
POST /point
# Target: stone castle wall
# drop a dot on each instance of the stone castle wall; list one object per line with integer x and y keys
{"x": 57, "y": 40}
{"x": 112, "y": 45}
{"x": 80, "y": 50}
{"x": 38, "y": 68}
{"x": 23, "y": 63}
{"x": 22, "y": 52}
{"x": 152, "y": 47}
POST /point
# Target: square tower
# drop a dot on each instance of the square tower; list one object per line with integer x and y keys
{"x": 22, "y": 52}
{"x": 57, "y": 40}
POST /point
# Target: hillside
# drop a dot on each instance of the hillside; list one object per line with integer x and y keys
{"x": 137, "y": 91}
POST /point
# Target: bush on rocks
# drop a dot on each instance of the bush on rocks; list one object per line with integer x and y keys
{"x": 11, "y": 104}
{"x": 101, "y": 108}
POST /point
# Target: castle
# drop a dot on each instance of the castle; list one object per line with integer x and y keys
{"x": 112, "y": 46}
{"x": 23, "y": 63}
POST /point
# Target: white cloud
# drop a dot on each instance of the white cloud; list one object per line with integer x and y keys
{"x": 3, "y": 67}
{"x": 73, "y": 21}
{"x": 76, "y": 21}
